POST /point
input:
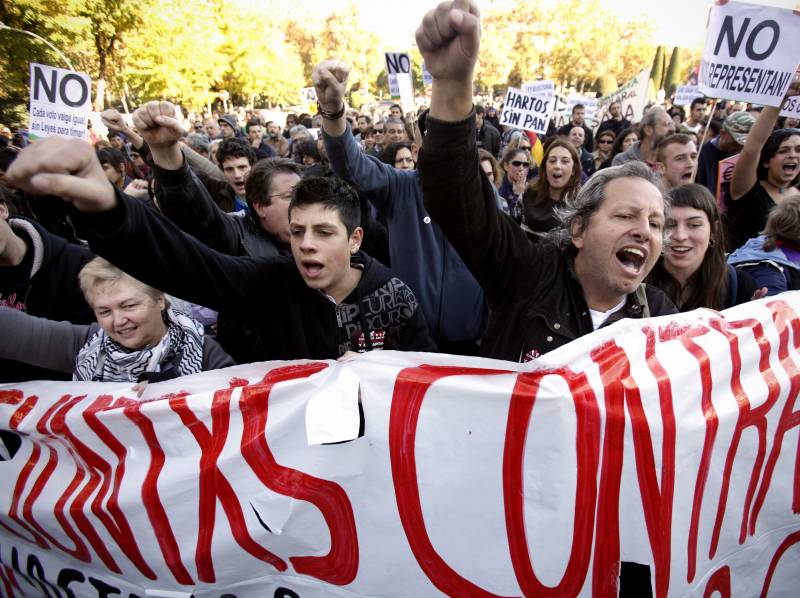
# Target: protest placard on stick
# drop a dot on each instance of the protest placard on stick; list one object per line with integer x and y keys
{"x": 60, "y": 102}
{"x": 685, "y": 95}
{"x": 527, "y": 111}
{"x": 751, "y": 53}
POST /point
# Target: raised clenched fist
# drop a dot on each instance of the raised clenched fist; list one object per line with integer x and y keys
{"x": 67, "y": 168}
{"x": 156, "y": 123}
{"x": 330, "y": 81}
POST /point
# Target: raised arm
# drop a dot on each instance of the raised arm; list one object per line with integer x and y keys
{"x": 379, "y": 182}
{"x": 139, "y": 240}
{"x": 113, "y": 121}
{"x": 458, "y": 196}
{"x": 744, "y": 173}
{"x": 181, "y": 196}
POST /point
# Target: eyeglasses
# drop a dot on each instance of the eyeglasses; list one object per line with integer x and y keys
{"x": 287, "y": 196}
{"x": 605, "y": 141}
{"x": 527, "y": 148}
{"x": 519, "y": 163}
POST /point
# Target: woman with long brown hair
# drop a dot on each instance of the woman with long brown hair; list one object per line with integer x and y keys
{"x": 692, "y": 270}
{"x": 559, "y": 179}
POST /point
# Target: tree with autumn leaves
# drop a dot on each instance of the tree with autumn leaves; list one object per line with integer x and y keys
{"x": 188, "y": 51}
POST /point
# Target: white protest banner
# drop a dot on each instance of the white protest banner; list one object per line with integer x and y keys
{"x": 724, "y": 176}
{"x": 544, "y": 87}
{"x": 751, "y": 52}
{"x": 589, "y": 106}
{"x": 60, "y": 102}
{"x": 526, "y": 111}
{"x": 669, "y": 442}
{"x": 791, "y": 107}
{"x": 685, "y": 94}
{"x": 632, "y": 96}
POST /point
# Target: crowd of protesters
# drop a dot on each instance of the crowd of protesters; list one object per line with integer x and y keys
{"x": 158, "y": 251}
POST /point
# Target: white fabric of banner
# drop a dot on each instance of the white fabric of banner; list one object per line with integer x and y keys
{"x": 670, "y": 442}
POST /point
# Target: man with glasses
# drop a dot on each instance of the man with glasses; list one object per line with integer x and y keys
{"x": 261, "y": 232}
{"x": 378, "y": 146}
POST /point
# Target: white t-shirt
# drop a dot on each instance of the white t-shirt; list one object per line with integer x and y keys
{"x": 598, "y": 317}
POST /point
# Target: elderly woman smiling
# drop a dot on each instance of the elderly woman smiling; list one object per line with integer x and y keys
{"x": 138, "y": 337}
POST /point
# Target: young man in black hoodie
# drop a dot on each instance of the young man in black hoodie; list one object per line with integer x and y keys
{"x": 326, "y": 299}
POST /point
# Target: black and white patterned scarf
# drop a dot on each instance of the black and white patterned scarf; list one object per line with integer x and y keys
{"x": 103, "y": 360}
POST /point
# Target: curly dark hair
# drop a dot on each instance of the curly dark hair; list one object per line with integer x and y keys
{"x": 235, "y": 148}
{"x": 333, "y": 193}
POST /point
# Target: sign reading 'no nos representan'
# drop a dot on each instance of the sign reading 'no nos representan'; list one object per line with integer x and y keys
{"x": 751, "y": 53}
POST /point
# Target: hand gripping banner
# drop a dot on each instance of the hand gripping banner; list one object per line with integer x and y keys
{"x": 671, "y": 443}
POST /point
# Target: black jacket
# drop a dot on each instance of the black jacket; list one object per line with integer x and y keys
{"x": 45, "y": 284}
{"x": 300, "y": 322}
{"x": 187, "y": 203}
{"x": 535, "y": 301}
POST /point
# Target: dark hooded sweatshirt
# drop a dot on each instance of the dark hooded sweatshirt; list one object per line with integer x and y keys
{"x": 45, "y": 284}
{"x": 300, "y": 322}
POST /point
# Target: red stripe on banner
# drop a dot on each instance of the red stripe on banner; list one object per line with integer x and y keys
{"x": 214, "y": 485}
{"x": 720, "y": 581}
{"x": 151, "y": 499}
{"x": 712, "y": 424}
{"x": 782, "y": 315}
{"x": 340, "y": 565}
{"x": 59, "y": 427}
{"x": 790, "y": 541}
{"x": 9, "y": 581}
{"x": 10, "y": 397}
{"x": 614, "y": 367}
{"x": 22, "y": 412}
{"x": 409, "y": 392}
{"x": 19, "y": 487}
{"x": 587, "y": 449}
{"x": 747, "y": 417}
{"x": 657, "y": 500}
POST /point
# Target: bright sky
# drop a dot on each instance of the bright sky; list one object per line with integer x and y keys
{"x": 675, "y": 22}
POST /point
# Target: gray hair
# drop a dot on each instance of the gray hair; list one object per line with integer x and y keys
{"x": 198, "y": 142}
{"x": 649, "y": 119}
{"x": 299, "y": 130}
{"x": 392, "y": 120}
{"x": 578, "y": 210}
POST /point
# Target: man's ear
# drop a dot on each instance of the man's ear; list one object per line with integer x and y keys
{"x": 260, "y": 208}
{"x": 576, "y": 234}
{"x": 355, "y": 239}
{"x": 4, "y": 211}
{"x": 660, "y": 168}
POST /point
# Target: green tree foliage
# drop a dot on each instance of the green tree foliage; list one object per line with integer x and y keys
{"x": 263, "y": 53}
{"x": 674, "y": 75}
{"x": 605, "y": 85}
{"x": 657, "y": 70}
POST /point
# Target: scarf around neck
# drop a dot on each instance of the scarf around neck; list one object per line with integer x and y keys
{"x": 102, "y": 359}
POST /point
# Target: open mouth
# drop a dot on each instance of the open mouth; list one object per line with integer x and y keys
{"x": 687, "y": 177}
{"x": 680, "y": 250}
{"x": 312, "y": 269}
{"x": 632, "y": 259}
{"x": 790, "y": 167}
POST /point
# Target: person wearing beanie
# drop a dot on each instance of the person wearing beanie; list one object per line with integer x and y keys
{"x": 229, "y": 126}
{"x": 729, "y": 142}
